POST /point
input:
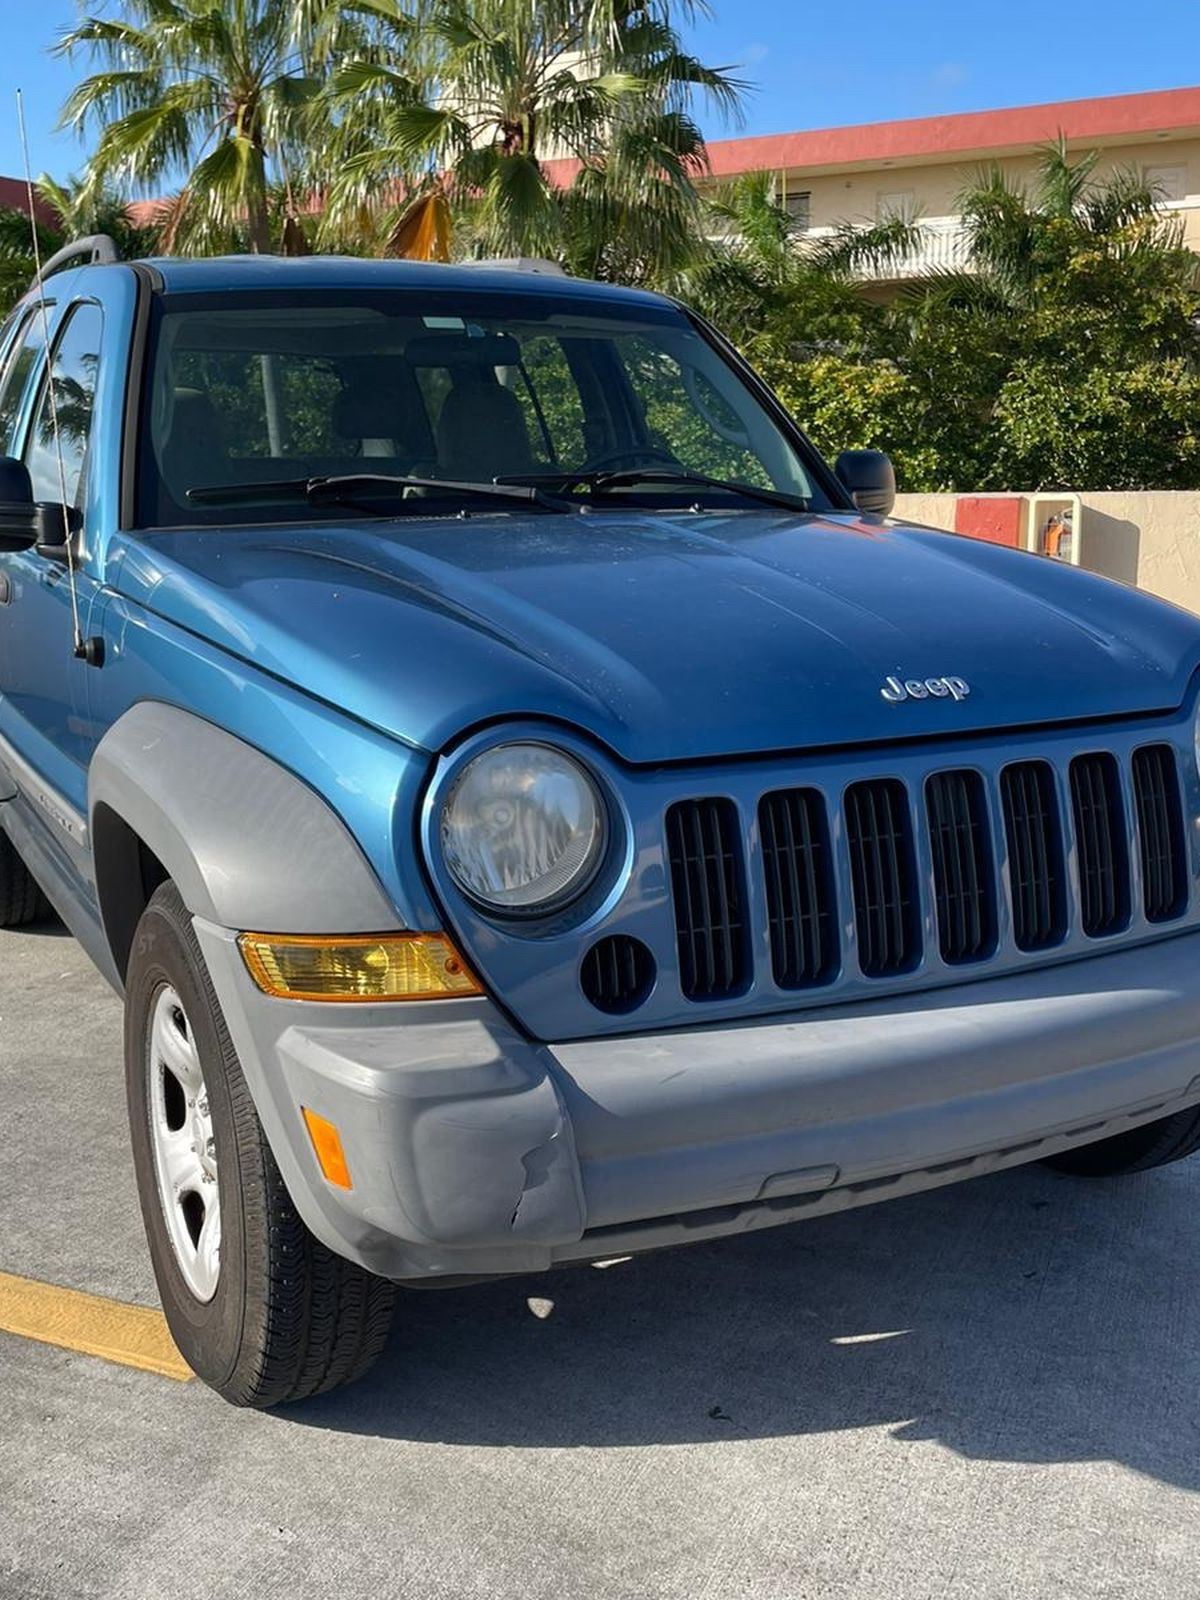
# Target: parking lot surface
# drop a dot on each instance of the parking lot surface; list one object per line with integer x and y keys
{"x": 988, "y": 1391}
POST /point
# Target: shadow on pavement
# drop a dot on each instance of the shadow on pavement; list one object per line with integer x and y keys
{"x": 1026, "y": 1317}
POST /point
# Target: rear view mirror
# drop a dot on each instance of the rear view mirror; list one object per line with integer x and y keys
{"x": 870, "y": 478}
{"x": 20, "y": 524}
{"x": 463, "y": 350}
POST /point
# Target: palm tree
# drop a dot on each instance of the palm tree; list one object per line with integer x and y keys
{"x": 1077, "y": 287}
{"x": 478, "y": 96}
{"x": 1068, "y": 232}
{"x": 218, "y": 96}
{"x": 76, "y": 210}
{"x": 781, "y": 292}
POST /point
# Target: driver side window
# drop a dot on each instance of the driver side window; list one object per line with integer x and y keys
{"x": 73, "y": 377}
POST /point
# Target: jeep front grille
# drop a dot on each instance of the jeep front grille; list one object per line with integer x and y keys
{"x": 1100, "y": 843}
{"x": 962, "y": 865}
{"x": 706, "y": 880}
{"x": 1160, "y": 832}
{"x": 799, "y": 885}
{"x": 885, "y": 877}
{"x": 1036, "y": 879}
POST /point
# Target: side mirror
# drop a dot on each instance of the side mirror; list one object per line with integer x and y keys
{"x": 20, "y": 524}
{"x": 870, "y": 478}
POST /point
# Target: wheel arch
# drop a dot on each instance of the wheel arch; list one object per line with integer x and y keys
{"x": 127, "y": 874}
{"x": 173, "y": 796}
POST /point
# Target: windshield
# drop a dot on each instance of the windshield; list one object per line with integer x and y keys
{"x": 251, "y": 395}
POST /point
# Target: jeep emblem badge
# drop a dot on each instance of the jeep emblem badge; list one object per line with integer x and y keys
{"x": 897, "y": 689}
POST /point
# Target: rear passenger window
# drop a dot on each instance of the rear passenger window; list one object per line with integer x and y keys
{"x": 18, "y": 365}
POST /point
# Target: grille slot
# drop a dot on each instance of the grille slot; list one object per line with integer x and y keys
{"x": 1034, "y": 836}
{"x": 799, "y": 883}
{"x": 1100, "y": 844}
{"x": 883, "y": 876}
{"x": 617, "y": 973}
{"x": 962, "y": 865}
{"x": 705, "y": 853}
{"x": 1160, "y": 832}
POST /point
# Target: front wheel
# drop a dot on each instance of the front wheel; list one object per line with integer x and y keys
{"x": 1155, "y": 1144}
{"x": 260, "y": 1309}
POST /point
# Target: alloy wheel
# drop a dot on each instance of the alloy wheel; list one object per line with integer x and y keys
{"x": 184, "y": 1145}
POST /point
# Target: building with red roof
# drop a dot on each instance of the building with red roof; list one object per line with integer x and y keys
{"x": 920, "y": 166}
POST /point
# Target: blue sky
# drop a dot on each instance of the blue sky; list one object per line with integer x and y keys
{"x": 813, "y": 65}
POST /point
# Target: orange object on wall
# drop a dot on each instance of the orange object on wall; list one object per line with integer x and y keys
{"x": 996, "y": 518}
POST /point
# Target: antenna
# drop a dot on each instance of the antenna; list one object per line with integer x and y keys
{"x": 79, "y": 647}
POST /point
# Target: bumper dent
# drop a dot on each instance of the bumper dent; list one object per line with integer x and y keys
{"x": 462, "y": 1158}
{"x": 457, "y": 1140}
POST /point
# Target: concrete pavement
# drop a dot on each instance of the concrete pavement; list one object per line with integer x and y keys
{"x": 984, "y": 1392}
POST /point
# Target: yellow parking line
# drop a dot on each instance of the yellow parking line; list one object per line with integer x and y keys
{"x": 133, "y": 1336}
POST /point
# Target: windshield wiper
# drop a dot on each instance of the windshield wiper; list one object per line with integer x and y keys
{"x": 630, "y": 477}
{"x": 355, "y": 486}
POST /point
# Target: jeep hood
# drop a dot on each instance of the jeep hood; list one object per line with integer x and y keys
{"x": 669, "y": 636}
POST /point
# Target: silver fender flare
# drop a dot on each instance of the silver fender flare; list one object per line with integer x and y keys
{"x": 247, "y": 843}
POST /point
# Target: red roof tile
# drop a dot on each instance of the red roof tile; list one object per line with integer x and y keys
{"x": 1115, "y": 118}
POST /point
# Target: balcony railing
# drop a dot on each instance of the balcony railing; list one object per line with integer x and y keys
{"x": 942, "y": 246}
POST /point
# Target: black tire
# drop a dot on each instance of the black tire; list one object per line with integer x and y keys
{"x": 21, "y": 901}
{"x": 289, "y": 1318}
{"x": 1155, "y": 1144}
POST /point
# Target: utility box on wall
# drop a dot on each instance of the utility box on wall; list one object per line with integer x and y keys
{"x": 996, "y": 518}
{"x": 1053, "y": 525}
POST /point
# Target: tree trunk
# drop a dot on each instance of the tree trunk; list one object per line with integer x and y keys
{"x": 258, "y": 221}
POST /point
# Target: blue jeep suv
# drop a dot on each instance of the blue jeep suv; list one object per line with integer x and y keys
{"x": 535, "y": 810}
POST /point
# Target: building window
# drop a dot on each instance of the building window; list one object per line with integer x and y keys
{"x": 798, "y": 206}
{"x": 1168, "y": 183}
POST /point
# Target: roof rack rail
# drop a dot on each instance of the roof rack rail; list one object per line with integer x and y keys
{"x": 550, "y": 269}
{"x": 98, "y": 249}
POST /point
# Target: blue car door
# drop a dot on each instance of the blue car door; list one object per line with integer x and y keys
{"x": 43, "y": 685}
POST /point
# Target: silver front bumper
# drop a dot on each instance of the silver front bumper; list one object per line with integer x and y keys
{"x": 475, "y": 1150}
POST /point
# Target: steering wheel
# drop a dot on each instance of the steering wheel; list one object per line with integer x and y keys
{"x": 631, "y": 455}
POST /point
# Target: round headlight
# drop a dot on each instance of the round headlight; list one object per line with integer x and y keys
{"x": 522, "y": 830}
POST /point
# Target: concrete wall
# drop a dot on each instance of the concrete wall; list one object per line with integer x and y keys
{"x": 1151, "y": 539}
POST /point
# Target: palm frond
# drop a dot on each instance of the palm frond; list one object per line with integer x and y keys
{"x": 1062, "y": 183}
{"x": 851, "y": 248}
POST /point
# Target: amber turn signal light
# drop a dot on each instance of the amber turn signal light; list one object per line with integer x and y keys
{"x": 363, "y": 968}
{"x": 327, "y": 1142}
